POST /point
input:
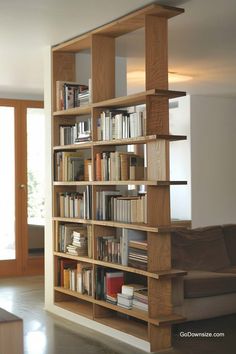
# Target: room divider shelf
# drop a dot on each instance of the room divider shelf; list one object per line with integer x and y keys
{"x": 151, "y": 150}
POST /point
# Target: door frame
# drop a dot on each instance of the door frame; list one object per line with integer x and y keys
{"x": 22, "y": 264}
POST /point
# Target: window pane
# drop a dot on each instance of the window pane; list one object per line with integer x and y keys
{"x": 35, "y": 165}
{"x": 7, "y": 184}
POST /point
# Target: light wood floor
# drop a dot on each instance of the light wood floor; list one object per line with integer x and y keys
{"x": 48, "y": 334}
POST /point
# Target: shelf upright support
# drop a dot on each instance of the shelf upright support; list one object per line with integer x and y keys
{"x": 103, "y": 67}
{"x": 159, "y": 254}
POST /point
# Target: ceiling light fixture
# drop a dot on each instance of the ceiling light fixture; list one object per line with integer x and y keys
{"x": 173, "y": 77}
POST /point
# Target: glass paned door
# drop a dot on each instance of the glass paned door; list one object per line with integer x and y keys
{"x": 21, "y": 187}
{"x": 35, "y": 180}
{"x": 7, "y": 183}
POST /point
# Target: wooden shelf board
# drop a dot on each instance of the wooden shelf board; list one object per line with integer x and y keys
{"x": 135, "y": 20}
{"x": 74, "y": 294}
{"x": 129, "y": 141}
{"x": 74, "y": 111}
{"x": 118, "y": 183}
{"x": 119, "y": 27}
{"x": 77, "y": 258}
{"x": 141, "y": 227}
{"x": 108, "y": 223}
{"x": 138, "y": 98}
{"x": 137, "y": 183}
{"x": 129, "y": 326}
{"x": 84, "y": 308}
{"x": 173, "y": 318}
{"x": 79, "y": 221}
{"x": 72, "y": 183}
{"x": 125, "y": 101}
{"x": 140, "y": 140}
{"x": 156, "y": 275}
{"x": 79, "y": 146}
{"x": 75, "y": 44}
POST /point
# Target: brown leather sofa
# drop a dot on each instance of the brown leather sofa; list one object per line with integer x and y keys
{"x": 209, "y": 256}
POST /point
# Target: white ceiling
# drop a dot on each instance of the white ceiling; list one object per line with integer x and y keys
{"x": 201, "y": 41}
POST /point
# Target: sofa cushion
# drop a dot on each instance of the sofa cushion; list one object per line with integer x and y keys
{"x": 202, "y": 284}
{"x": 199, "y": 249}
{"x": 230, "y": 242}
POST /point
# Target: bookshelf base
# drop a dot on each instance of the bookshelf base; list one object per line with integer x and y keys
{"x": 100, "y": 326}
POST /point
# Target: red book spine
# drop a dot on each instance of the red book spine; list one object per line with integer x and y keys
{"x": 114, "y": 284}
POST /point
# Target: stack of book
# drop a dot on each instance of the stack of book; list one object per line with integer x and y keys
{"x": 110, "y": 205}
{"x": 67, "y": 94}
{"x": 108, "y": 249}
{"x": 140, "y": 300}
{"x": 125, "y": 298}
{"x": 137, "y": 257}
{"x": 65, "y": 233}
{"x": 75, "y": 205}
{"x": 79, "y": 245}
{"x": 73, "y": 134}
{"x": 120, "y": 124}
{"x": 116, "y": 166}
{"x": 83, "y": 97}
{"x": 126, "y": 237}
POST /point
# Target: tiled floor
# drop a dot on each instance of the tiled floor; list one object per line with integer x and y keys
{"x": 48, "y": 334}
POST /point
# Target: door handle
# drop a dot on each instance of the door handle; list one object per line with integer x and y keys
{"x": 22, "y": 186}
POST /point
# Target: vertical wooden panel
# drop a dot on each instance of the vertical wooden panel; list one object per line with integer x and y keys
{"x": 158, "y": 115}
{"x": 156, "y": 160}
{"x": 156, "y": 48}
{"x": 158, "y": 201}
{"x": 159, "y": 252}
{"x": 160, "y": 297}
{"x": 160, "y": 337}
{"x": 103, "y": 68}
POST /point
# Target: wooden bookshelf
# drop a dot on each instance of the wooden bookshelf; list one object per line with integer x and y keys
{"x": 154, "y": 326}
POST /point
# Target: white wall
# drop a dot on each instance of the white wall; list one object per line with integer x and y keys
{"x": 180, "y": 167}
{"x": 213, "y": 149}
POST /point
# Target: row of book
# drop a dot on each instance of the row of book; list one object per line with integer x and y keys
{"x": 120, "y": 124}
{"x": 111, "y": 205}
{"x": 75, "y": 204}
{"x": 76, "y": 276}
{"x": 75, "y": 239}
{"x": 72, "y": 166}
{"x": 74, "y": 134}
{"x": 71, "y": 95}
{"x": 109, "y": 284}
{"x": 116, "y": 248}
{"x": 123, "y": 248}
{"x": 116, "y": 166}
